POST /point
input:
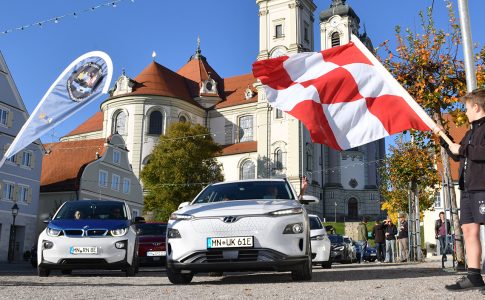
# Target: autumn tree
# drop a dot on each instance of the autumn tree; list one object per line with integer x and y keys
{"x": 427, "y": 65}
{"x": 181, "y": 164}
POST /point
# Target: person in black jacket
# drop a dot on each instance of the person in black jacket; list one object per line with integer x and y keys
{"x": 441, "y": 231}
{"x": 471, "y": 154}
{"x": 390, "y": 232}
{"x": 378, "y": 234}
{"x": 403, "y": 238}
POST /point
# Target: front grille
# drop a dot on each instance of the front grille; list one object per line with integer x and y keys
{"x": 73, "y": 232}
{"x": 232, "y": 255}
{"x": 96, "y": 232}
{"x": 80, "y": 261}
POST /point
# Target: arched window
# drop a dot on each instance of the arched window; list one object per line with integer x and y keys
{"x": 278, "y": 160}
{"x": 248, "y": 170}
{"x": 245, "y": 128}
{"x": 156, "y": 123}
{"x": 353, "y": 209}
{"x": 335, "y": 39}
{"x": 182, "y": 119}
{"x": 119, "y": 122}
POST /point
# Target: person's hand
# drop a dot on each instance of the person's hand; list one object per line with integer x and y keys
{"x": 387, "y": 233}
{"x": 454, "y": 148}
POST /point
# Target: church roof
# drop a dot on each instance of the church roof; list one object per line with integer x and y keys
{"x": 62, "y": 167}
{"x": 197, "y": 69}
{"x": 244, "y": 147}
{"x": 93, "y": 124}
{"x": 234, "y": 89}
{"x": 338, "y": 7}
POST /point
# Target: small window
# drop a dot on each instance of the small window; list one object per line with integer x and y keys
{"x": 437, "y": 200}
{"x": 119, "y": 126}
{"x": 309, "y": 159}
{"x": 115, "y": 182}
{"x": 8, "y": 191}
{"x": 278, "y": 160}
{"x": 26, "y": 158}
{"x": 335, "y": 39}
{"x": 126, "y": 185}
{"x": 4, "y": 116}
{"x": 246, "y": 128}
{"x": 278, "y": 114}
{"x": 103, "y": 178}
{"x": 182, "y": 119}
{"x": 135, "y": 213}
{"x": 155, "y": 123}
{"x": 116, "y": 157}
{"x": 248, "y": 170}
{"x": 279, "y": 31}
{"x": 23, "y": 193}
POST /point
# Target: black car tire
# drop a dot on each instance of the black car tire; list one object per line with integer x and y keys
{"x": 327, "y": 264}
{"x": 133, "y": 268}
{"x": 304, "y": 271}
{"x": 176, "y": 277}
{"x": 43, "y": 272}
{"x": 66, "y": 272}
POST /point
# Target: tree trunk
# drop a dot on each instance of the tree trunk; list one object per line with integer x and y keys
{"x": 460, "y": 250}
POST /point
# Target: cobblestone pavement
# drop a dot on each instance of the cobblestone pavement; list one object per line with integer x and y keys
{"x": 357, "y": 281}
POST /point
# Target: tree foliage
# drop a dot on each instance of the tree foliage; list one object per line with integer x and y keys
{"x": 181, "y": 164}
{"x": 406, "y": 163}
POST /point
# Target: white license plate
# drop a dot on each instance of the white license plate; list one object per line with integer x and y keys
{"x": 83, "y": 250}
{"x": 230, "y": 242}
{"x": 156, "y": 253}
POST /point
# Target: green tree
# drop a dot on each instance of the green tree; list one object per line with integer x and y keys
{"x": 181, "y": 164}
{"x": 426, "y": 64}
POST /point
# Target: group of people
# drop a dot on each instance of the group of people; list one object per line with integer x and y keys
{"x": 385, "y": 233}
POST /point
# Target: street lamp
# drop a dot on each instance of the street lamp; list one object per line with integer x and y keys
{"x": 11, "y": 248}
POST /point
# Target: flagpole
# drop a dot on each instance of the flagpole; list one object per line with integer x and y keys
{"x": 471, "y": 80}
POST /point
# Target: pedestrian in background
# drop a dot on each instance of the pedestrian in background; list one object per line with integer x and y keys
{"x": 390, "y": 232}
{"x": 442, "y": 227}
{"x": 378, "y": 234}
{"x": 362, "y": 237}
{"x": 471, "y": 154}
{"x": 403, "y": 238}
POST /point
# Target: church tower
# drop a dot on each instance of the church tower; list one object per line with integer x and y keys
{"x": 285, "y": 27}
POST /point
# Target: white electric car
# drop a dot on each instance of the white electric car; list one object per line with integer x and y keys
{"x": 247, "y": 225}
{"x": 88, "y": 234}
{"x": 320, "y": 242}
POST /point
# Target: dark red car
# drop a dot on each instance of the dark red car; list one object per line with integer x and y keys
{"x": 151, "y": 245}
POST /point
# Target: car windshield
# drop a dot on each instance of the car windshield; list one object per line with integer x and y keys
{"x": 245, "y": 190}
{"x": 336, "y": 238}
{"x": 152, "y": 229}
{"x": 315, "y": 223}
{"x": 79, "y": 210}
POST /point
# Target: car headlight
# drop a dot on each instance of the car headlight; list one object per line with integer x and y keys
{"x": 118, "y": 232}
{"x": 285, "y": 212}
{"x": 293, "y": 228}
{"x": 180, "y": 217}
{"x": 318, "y": 237}
{"x": 53, "y": 232}
{"x": 173, "y": 234}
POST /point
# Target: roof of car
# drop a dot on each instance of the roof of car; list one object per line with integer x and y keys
{"x": 252, "y": 180}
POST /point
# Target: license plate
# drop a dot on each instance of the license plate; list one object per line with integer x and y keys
{"x": 230, "y": 242}
{"x": 83, "y": 250}
{"x": 156, "y": 253}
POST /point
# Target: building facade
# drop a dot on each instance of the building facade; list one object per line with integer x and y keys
{"x": 87, "y": 170}
{"x": 20, "y": 174}
{"x": 258, "y": 141}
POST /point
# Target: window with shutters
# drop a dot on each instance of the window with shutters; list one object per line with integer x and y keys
{"x": 335, "y": 39}
{"x": 155, "y": 125}
{"x": 8, "y": 190}
{"x": 4, "y": 114}
{"x": 245, "y": 128}
{"x": 26, "y": 159}
{"x": 23, "y": 193}
{"x": 115, "y": 182}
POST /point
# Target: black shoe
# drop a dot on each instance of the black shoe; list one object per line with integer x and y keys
{"x": 464, "y": 284}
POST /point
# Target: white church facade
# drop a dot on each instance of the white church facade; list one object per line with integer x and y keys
{"x": 258, "y": 141}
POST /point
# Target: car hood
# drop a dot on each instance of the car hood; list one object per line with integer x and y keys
{"x": 87, "y": 224}
{"x": 237, "y": 207}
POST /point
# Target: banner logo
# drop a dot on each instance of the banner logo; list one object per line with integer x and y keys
{"x": 84, "y": 81}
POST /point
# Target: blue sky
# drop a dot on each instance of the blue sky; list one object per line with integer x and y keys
{"x": 130, "y": 31}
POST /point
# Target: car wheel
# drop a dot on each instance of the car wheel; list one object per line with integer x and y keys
{"x": 176, "y": 277}
{"x": 66, "y": 272}
{"x": 327, "y": 264}
{"x": 43, "y": 272}
{"x": 304, "y": 272}
{"x": 133, "y": 268}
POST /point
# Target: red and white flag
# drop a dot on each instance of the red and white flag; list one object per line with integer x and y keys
{"x": 343, "y": 95}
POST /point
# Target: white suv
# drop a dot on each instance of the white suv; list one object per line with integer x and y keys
{"x": 246, "y": 225}
{"x": 88, "y": 234}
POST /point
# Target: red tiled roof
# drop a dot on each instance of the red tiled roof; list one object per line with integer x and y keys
{"x": 63, "y": 166}
{"x": 457, "y": 133}
{"x": 234, "y": 89}
{"x": 197, "y": 70}
{"x": 239, "y": 148}
{"x": 95, "y": 123}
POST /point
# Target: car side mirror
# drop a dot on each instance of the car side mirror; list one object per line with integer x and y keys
{"x": 139, "y": 220}
{"x": 47, "y": 220}
{"x": 308, "y": 199}
{"x": 183, "y": 204}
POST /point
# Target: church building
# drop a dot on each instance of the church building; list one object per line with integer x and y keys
{"x": 258, "y": 141}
